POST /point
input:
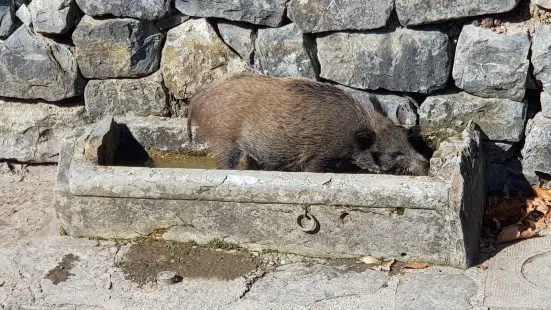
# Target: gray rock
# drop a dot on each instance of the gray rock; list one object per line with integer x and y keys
{"x": 152, "y": 132}
{"x": 32, "y": 132}
{"x": 541, "y": 54}
{"x": 399, "y": 109}
{"x": 24, "y": 15}
{"x": 53, "y": 16}
{"x": 212, "y": 58}
{"x": 329, "y": 15}
{"x": 403, "y": 60}
{"x": 498, "y": 151}
{"x": 499, "y": 119}
{"x": 34, "y": 67}
{"x": 546, "y": 4}
{"x": 117, "y": 47}
{"x": 289, "y": 285}
{"x": 537, "y": 148}
{"x": 428, "y": 11}
{"x": 260, "y": 12}
{"x": 7, "y": 18}
{"x": 545, "y": 99}
{"x": 488, "y": 64}
{"x": 434, "y": 291}
{"x": 240, "y": 37}
{"x": 176, "y": 18}
{"x": 283, "y": 52}
{"x": 139, "y": 9}
{"x": 139, "y": 97}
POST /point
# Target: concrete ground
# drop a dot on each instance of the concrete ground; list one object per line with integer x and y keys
{"x": 31, "y": 247}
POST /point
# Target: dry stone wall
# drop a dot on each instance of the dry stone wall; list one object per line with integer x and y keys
{"x": 65, "y": 64}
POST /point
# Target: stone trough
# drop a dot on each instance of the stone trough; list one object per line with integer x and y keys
{"x": 434, "y": 219}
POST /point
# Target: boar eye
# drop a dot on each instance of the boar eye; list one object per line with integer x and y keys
{"x": 365, "y": 139}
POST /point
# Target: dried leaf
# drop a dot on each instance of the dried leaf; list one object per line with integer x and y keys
{"x": 368, "y": 260}
{"x": 536, "y": 204}
{"x": 384, "y": 267}
{"x": 541, "y": 224}
{"x": 516, "y": 232}
{"x": 509, "y": 210}
{"x": 543, "y": 194}
{"x": 416, "y": 266}
{"x": 387, "y": 265}
{"x": 530, "y": 206}
{"x": 482, "y": 266}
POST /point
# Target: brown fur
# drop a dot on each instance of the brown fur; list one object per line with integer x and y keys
{"x": 296, "y": 124}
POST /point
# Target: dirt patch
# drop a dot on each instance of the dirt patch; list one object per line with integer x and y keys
{"x": 145, "y": 259}
{"x": 397, "y": 268}
{"x": 61, "y": 272}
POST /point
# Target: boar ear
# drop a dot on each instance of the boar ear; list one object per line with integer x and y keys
{"x": 365, "y": 139}
{"x": 377, "y": 106}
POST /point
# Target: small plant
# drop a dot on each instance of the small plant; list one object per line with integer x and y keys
{"x": 221, "y": 244}
{"x": 268, "y": 251}
{"x": 121, "y": 241}
{"x": 62, "y": 231}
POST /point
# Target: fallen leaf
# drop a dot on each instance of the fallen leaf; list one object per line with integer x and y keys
{"x": 416, "y": 266}
{"x": 384, "y": 267}
{"x": 543, "y": 194}
{"x": 506, "y": 209}
{"x": 482, "y": 266}
{"x": 368, "y": 260}
{"x": 518, "y": 231}
{"x": 541, "y": 224}
{"x": 536, "y": 204}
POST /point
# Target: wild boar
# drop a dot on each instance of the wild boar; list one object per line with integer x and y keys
{"x": 297, "y": 124}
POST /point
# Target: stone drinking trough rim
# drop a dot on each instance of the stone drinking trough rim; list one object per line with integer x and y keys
{"x": 87, "y": 178}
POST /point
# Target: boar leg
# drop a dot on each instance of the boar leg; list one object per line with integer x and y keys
{"x": 252, "y": 164}
{"x": 330, "y": 166}
{"x": 316, "y": 165}
{"x": 229, "y": 158}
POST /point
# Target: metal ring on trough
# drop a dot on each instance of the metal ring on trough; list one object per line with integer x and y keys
{"x": 313, "y": 223}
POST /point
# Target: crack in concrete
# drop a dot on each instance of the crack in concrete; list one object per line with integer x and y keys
{"x": 396, "y": 293}
{"x": 251, "y": 280}
{"x": 330, "y": 298}
{"x": 33, "y": 297}
{"x": 383, "y": 286}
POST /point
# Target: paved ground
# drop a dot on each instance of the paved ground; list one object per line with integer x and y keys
{"x": 39, "y": 269}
